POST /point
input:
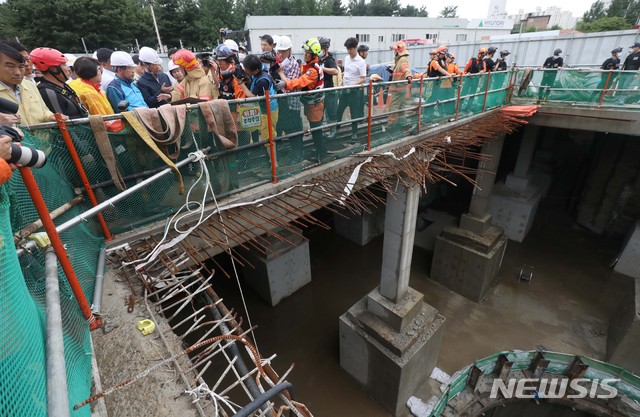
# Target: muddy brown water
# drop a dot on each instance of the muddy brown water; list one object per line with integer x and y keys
{"x": 566, "y": 308}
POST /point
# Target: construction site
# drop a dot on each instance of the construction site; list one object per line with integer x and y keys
{"x": 486, "y": 239}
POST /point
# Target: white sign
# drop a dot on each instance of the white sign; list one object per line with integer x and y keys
{"x": 490, "y": 24}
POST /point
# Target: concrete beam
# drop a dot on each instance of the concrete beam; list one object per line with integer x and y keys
{"x": 626, "y": 122}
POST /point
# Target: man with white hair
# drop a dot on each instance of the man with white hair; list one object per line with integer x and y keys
{"x": 290, "y": 120}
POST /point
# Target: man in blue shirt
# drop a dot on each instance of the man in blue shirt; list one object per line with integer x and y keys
{"x": 122, "y": 87}
{"x": 154, "y": 84}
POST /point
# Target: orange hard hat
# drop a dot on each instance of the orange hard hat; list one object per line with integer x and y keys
{"x": 186, "y": 59}
{"x": 442, "y": 48}
{"x": 433, "y": 52}
{"x": 482, "y": 51}
{"x": 399, "y": 46}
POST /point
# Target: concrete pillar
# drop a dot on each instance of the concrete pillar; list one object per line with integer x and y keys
{"x": 283, "y": 270}
{"x": 628, "y": 263}
{"x": 514, "y": 203}
{"x": 389, "y": 340}
{"x": 467, "y": 259}
{"x": 360, "y": 228}
{"x": 623, "y": 337}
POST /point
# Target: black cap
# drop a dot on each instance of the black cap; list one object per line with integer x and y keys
{"x": 617, "y": 50}
{"x": 635, "y": 45}
{"x": 324, "y": 42}
{"x": 492, "y": 49}
{"x": 505, "y": 52}
{"x": 267, "y": 38}
{"x": 362, "y": 48}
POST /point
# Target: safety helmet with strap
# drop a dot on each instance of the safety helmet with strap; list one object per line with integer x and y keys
{"x": 399, "y": 46}
{"x": 223, "y": 52}
{"x": 186, "y": 59}
{"x": 313, "y": 46}
{"x": 45, "y": 59}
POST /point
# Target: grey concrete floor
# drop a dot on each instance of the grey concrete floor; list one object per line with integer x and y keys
{"x": 565, "y": 308}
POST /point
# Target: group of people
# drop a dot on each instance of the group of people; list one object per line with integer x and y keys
{"x": 45, "y": 81}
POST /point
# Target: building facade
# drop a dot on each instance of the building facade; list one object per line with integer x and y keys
{"x": 376, "y": 31}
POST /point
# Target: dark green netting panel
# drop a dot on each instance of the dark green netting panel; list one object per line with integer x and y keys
{"x": 82, "y": 245}
{"x": 616, "y": 88}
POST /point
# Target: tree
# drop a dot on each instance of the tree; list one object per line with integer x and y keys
{"x": 115, "y": 24}
{"x": 412, "y": 11}
{"x": 449, "y": 11}
{"x": 383, "y": 8}
{"x": 555, "y": 27}
{"x": 337, "y": 9}
{"x": 604, "y": 24}
{"x": 596, "y": 12}
{"x": 357, "y": 7}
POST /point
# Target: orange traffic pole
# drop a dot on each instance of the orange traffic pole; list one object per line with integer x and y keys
{"x": 486, "y": 91}
{"x": 604, "y": 90}
{"x": 369, "y": 114}
{"x": 58, "y": 247}
{"x": 420, "y": 102}
{"x": 458, "y": 100}
{"x": 83, "y": 175}
{"x": 272, "y": 145}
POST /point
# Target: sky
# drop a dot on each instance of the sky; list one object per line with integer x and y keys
{"x": 471, "y": 9}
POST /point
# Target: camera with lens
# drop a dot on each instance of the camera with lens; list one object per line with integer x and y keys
{"x": 237, "y": 72}
{"x": 21, "y": 155}
{"x": 205, "y": 58}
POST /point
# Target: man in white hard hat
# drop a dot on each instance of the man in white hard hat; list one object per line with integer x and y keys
{"x": 122, "y": 87}
{"x": 290, "y": 120}
{"x": 154, "y": 84}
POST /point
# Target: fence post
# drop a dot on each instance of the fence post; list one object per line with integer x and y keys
{"x": 604, "y": 90}
{"x": 58, "y": 247}
{"x": 420, "y": 102}
{"x": 62, "y": 126}
{"x": 272, "y": 146}
{"x": 458, "y": 100}
{"x": 486, "y": 92}
{"x": 369, "y": 113}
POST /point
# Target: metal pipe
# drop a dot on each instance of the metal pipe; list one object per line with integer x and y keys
{"x": 31, "y": 228}
{"x": 238, "y": 364}
{"x": 97, "y": 290}
{"x": 43, "y": 212}
{"x": 604, "y": 90}
{"x": 262, "y": 399}
{"x": 420, "y": 102}
{"x": 369, "y": 112}
{"x": 272, "y": 146}
{"x": 107, "y": 203}
{"x": 81, "y": 172}
{"x": 57, "y": 393}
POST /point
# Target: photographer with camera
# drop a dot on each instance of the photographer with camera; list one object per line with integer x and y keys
{"x": 24, "y": 94}
{"x": 196, "y": 84}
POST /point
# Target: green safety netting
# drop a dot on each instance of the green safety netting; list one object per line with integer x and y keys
{"x": 396, "y": 110}
{"x": 628, "y": 385}
{"x": 580, "y": 86}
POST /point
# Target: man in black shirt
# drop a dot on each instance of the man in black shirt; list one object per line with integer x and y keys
{"x": 631, "y": 63}
{"x": 551, "y": 66}
{"x": 330, "y": 69}
{"x": 57, "y": 95}
{"x": 607, "y": 79}
{"x": 501, "y": 63}
{"x": 488, "y": 60}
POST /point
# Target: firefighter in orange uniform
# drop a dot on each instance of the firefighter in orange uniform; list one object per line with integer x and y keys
{"x": 312, "y": 79}
{"x": 401, "y": 72}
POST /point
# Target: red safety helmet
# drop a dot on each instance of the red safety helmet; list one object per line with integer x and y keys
{"x": 186, "y": 59}
{"x": 399, "y": 46}
{"x": 45, "y": 58}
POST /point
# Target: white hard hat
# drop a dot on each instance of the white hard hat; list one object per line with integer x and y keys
{"x": 284, "y": 43}
{"x": 71, "y": 58}
{"x": 121, "y": 59}
{"x": 148, "y": 55}
{"x": 172, "y": 66}
{"x": 231, "y": 44}
{"x": 276, "y": 39}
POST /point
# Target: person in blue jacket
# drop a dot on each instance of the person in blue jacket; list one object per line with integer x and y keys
{"x": 122, "y": 88}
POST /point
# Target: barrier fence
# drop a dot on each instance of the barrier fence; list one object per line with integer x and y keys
{"x": 628, "y": 384}
{"x": 278, "y": 136}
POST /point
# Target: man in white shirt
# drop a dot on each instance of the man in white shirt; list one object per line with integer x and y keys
{"x": 355, "y": 72}
{"x": 103, "y": 55}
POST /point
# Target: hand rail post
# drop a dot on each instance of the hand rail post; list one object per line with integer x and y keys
{"x": 604, "y": 90}
{"x": 272, "y": 146}
{"x": 420, "y": 102}
{"x": 369, "y": 113}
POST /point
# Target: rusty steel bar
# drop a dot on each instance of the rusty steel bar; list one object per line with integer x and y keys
{"x": 272, "y": 146}
{"x": 420, "y": 102}
{"x": 369, "y": 113}
{"x": 604, "y": 90}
